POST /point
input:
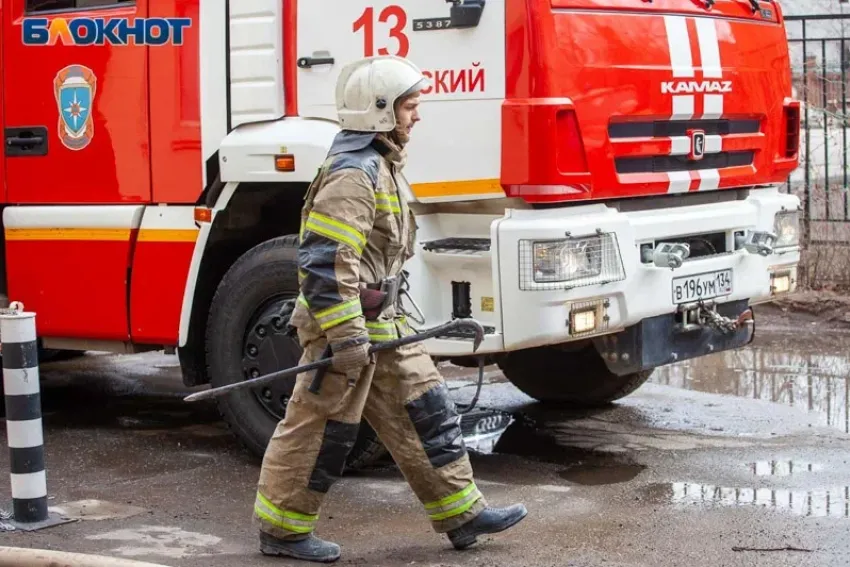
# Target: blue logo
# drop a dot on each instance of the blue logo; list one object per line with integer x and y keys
{"x": 98, "y": 31}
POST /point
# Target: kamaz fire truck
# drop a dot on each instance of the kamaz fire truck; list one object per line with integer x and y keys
{"x": 597, "y": 182}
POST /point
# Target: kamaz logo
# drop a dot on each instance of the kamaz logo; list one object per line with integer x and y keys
{"x": 693, "y": 87}
{"x": 697, "y": 138}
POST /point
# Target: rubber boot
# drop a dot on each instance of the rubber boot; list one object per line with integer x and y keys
{"x": 308, "y": 548}
{"x": 489, "y": 521}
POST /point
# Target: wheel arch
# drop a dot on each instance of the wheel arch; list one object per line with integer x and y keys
{"x": 252, "y": 213}
{"x": 250, "y": 202}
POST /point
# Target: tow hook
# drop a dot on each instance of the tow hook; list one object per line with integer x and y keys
{"x": 698, "y": 315}
{"x": 760, "y": 242}
{"x": 671, "y": 254}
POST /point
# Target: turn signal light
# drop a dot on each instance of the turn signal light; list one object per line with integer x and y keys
{"x": 203, "y": 214}
{"x": 285, "y": 162}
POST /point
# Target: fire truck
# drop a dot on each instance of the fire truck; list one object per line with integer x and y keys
{"x": 597, "y": 182}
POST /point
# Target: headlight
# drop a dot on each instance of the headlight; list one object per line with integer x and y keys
{"x": 573, "y": 262}
{"x": 566, "y": 260}
{"x": 786, "y": 226}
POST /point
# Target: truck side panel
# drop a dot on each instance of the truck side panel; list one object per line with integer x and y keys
{"x": 161, "y": 262}
{"x": 176, "y": 161}
{"x": 79, "y": 284}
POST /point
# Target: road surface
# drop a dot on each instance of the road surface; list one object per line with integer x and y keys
{"x": 736, "y": 459}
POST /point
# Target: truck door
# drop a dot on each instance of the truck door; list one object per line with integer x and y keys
{"x": 77, "y": 155}
{"x": 462, "y": 110}
{"x": 76, "y": 116}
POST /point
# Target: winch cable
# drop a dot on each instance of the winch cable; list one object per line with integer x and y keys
{"x": 469, "y": 407}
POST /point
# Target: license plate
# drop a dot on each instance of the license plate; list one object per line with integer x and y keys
{"x": 702, "y": 286}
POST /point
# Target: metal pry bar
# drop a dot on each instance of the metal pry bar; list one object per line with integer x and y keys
{"x": 469, "y": 324}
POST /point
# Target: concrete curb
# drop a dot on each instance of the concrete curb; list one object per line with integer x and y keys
{"x": 20, "y": 557}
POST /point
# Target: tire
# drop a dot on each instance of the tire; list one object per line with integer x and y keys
{"x": 579, "y": 378}
{"x": 246, "y": 337}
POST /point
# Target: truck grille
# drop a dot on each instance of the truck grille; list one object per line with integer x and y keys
{"x": 667, "y": 128}
{"x": 656, "y": 164}
{"x": 662, "y": 146}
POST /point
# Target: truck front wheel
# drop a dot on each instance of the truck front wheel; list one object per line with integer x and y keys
{"x": 549, "y": 374}
{"x": 246, "y": 337}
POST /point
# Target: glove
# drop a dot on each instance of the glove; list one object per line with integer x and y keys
{"x": 351, "y": 356}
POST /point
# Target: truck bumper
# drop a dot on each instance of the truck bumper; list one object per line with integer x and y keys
{"x": 664, "y": 339}
{"x": 634, "y": 300}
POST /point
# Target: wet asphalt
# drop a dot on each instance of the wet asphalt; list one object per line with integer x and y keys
{"x": 740, "y": 458}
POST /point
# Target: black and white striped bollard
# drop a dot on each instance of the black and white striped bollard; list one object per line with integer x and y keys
{"x": 24, "y": 431}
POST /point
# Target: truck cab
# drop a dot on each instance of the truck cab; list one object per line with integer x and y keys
{"x": 597, "y": 182}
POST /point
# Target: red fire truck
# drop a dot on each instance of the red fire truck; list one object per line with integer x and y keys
{"x": 597, "y": 182}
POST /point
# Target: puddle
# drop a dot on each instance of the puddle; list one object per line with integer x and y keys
{"x": 596, "y": 475}
{"x": 797, "y": 374}
{"x": 783, "y": 467}
{"x": 833, "y": 502}
{"x": 171, "y": 542}
{"x": 96, "y": 510}
{"x": 489, "y": 432}
{"x": 128, "y": 393}
{"x": 139, "y": 413}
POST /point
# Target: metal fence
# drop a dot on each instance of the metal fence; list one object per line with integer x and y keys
{"x": 820, "y": 56}
{"x": 820, "y": 61}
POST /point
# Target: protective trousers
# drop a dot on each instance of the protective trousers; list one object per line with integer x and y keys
{"x": 405, "y": 399}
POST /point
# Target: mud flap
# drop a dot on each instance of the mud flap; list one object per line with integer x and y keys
{"x": 661, "y": 340}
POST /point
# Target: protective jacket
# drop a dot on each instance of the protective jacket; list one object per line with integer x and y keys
{"x": 355, "y": 231}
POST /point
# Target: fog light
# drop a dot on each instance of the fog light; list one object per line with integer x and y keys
{"x": 583, "y": 321}
{"x": 781, "y": 283}
{"x": 589, "y": 317}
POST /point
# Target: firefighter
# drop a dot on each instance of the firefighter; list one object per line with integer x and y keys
{"x": 356, "y": 233}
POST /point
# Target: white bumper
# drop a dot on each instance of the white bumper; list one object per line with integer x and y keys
{"x": 534, "y": 318}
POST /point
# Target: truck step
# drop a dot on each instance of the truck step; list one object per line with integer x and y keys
{"x": 457, "y": 245}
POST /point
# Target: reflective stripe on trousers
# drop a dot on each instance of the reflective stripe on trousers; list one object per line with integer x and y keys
{"x": 454, "y": 504}
{"x": 284, "y": 519}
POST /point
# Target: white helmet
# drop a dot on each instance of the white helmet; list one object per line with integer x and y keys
{"x": 367, "y": 90}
